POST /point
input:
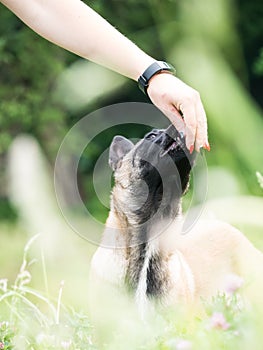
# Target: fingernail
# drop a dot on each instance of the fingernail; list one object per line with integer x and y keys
{"x": 191, "y": 149}
{"x": 207, "y": 146}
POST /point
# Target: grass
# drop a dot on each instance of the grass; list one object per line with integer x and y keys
{"x": 32, "y": 319}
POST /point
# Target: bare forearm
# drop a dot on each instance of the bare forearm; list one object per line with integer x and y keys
{"x": 76, "y": 27}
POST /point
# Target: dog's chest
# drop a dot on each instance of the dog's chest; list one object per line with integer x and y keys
{"x": 170, "y": 280}
{"x": 109, "y": 265}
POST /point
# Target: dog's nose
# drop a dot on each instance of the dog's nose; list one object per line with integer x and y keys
{"x": 160, "y": 138}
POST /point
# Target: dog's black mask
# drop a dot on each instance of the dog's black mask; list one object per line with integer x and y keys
{"x": 161, "y": 161}
{"x": 166, "y": 152}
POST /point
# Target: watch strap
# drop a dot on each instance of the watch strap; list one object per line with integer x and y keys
{"x": 155, "y": 68}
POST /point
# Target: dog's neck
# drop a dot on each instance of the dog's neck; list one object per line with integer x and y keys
{"x": 146, "y": 259}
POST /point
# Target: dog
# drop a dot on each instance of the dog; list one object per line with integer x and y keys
{"x": 143, "y": 251}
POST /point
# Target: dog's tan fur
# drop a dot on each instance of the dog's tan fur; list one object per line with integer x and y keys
{"x": 212, "y": 251}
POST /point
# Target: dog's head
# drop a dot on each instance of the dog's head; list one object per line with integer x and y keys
{"x": 150, "y": 175}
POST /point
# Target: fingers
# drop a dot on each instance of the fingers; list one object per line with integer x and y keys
{"x": 201, "y": 139}
{"x": 196, "y": 123}
{"x": 176, "y": 119}
{"x": 188, "y": 110}
{"x": 173, "y": 96}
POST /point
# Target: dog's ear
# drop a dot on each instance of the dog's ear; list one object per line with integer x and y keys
{"x": 119, "y": 147}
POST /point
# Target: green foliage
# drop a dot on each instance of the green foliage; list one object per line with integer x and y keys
{"x": 7, "y": 334}
{"x": 30, "y": 67}
{"x": 258, "y": 65}
{"x": 7, "y": 211}
{"x": 250, "y": 30}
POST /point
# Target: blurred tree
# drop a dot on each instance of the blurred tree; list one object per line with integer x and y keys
{"x": 30, "y": 66}
{"x": 29, "y": 69}
{"x": 250, "y": 26}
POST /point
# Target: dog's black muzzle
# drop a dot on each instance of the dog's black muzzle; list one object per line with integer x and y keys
{"x": 170, "y": 142}
{"x": 165, "y": 157}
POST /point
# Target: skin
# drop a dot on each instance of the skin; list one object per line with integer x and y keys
{"x": 76, "y": 27}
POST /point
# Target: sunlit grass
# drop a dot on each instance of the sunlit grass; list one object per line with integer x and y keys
{"x": 34, "y": 318}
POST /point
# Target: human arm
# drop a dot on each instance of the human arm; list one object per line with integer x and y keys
{"x": 76, "y": 27}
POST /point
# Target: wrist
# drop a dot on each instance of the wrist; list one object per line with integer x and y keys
{"x": 152, "y": 70}
{"x": 142, "y": 65}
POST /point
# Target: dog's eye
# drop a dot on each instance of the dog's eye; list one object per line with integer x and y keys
{"x": 151, "y": 136}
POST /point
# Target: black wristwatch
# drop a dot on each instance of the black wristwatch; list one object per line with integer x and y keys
{"x": 155, "y": 68}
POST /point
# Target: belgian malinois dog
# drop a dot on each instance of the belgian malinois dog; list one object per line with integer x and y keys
{"x": 143, "y": 248}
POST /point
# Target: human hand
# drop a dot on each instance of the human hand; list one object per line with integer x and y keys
{"x": 182, "y": 105}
